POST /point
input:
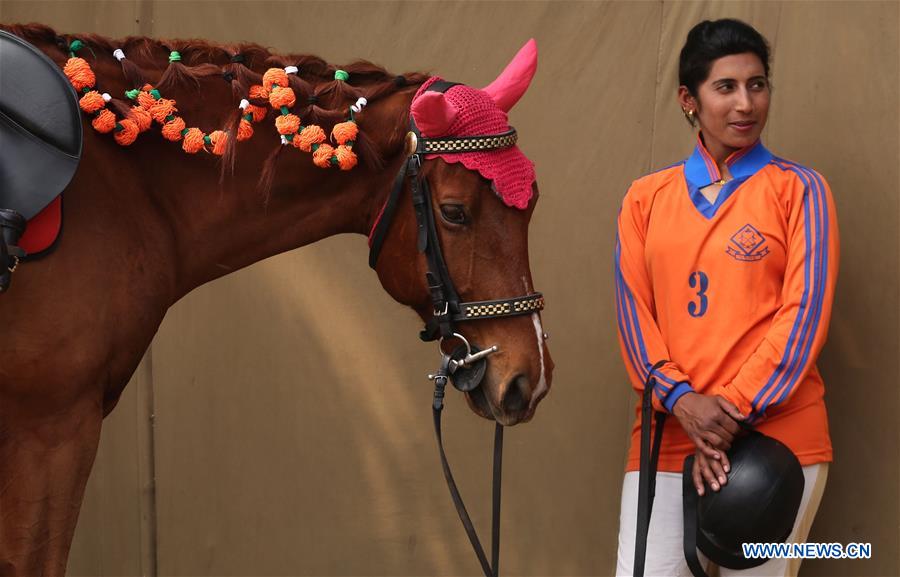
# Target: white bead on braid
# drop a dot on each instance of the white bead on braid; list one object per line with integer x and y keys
{"x": 360, "y": 104}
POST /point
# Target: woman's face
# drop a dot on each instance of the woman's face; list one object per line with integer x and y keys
{"x": 733, "y": 103}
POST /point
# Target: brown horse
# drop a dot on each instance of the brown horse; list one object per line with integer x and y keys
{"x": 147, "y": 223}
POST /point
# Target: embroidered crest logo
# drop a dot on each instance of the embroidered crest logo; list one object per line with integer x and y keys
{"x": 747, "y": 244}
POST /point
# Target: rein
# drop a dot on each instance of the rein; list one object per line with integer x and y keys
{"x": 466, "y": 366}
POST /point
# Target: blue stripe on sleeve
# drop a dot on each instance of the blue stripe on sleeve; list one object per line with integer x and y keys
{"x": 810, "y": 313}
{"x": 620, "y": 314}
{"x": 821, "y": 271}
{"x": 622, "y": 291}
{"x": 787, "y": 357}
{"x": 631, "y": 331}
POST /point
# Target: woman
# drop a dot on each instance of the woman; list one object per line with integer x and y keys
{"x": 725, "y": 267}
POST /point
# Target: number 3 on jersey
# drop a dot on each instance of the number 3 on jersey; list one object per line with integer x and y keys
{"x": 699, "y": 281}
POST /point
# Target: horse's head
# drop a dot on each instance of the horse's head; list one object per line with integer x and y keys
{"x": 463, "y": 240}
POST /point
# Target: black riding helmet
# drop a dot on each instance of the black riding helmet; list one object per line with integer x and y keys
{"x": 758, "y": 504}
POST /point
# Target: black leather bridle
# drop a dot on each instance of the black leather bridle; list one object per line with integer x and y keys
{"x": 465, "y": 367}
{"x": 446, "y": 302}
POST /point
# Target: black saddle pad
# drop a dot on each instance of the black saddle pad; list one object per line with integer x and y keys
{"x": 40, "y": 127}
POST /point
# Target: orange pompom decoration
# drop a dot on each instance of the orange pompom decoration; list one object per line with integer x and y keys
{"x": 287, "y": 124}
{"x": 79, "y": 73}
{"x": 172, "y": 129}
{"x": 282, "y": 97}
{"x": 141, "y": 117}
{"x": 310, "y": 135}
{"x": 344, "y": 132}
{"x": 128, "y": 133}
{"x": 219, "y": 139}
{"x": 162, "y": 108}
{"x": 92, "y": 102}
{"x": 193, "y": 141}
{"x": 322, "y": 156}
{"x": 258, "y": 92}
{"x": 104, "y": 122}
{"x": 345, "y": 156}
{"x": 258, "y": 112}
{"x": 146, "y": 100}
{"x": 274, "y": 77}
{"x": 245, "y": 130}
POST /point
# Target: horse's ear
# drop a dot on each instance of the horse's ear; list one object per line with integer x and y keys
{"x": 512, "y": 83}
{"x": 433, "y": 114}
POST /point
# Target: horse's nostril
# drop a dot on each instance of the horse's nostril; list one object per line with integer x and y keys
{"x": 515, "y": 400}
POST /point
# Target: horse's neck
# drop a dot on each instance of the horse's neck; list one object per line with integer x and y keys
{"x": 219, "y": 227}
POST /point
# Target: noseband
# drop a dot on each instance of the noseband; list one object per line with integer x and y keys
{"x": 467, "y": 364}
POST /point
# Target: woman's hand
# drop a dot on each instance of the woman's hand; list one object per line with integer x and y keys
{"x": 711, "y": 422}
{"x": 714, "y": 473}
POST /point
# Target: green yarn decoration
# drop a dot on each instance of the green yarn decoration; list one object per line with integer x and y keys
{"x": 155, "y": 94}
{"x": 170, "y": 118}
{"x": 75, "y": 46}
{"x": 289, "y": 137}
{"x": 314, "y": 147}
{"x": 207, "y": 140}
{"x": 333, "y": 160}
{"x": 118, "y": 128}
{"x": 248, "y": 117}
{"x": 174, "y": 56}
{"x": 285, "y": 110}
{"x": 132, "y": 94}
{"x": 185, "y": 131}
{"x": 341, "y": 75}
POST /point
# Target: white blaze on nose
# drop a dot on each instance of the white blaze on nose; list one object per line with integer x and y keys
{"x": 539, "y": 331}
{"x": 542, "y": 383}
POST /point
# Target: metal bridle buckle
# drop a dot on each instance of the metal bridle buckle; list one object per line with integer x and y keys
{"x": 412, "y": 143}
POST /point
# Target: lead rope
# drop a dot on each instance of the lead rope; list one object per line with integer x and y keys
{"x": 647, "y": 475}
{"x": 490, "y": 569}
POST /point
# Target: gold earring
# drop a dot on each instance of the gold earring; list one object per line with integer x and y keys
{"x": 690, "y": 115}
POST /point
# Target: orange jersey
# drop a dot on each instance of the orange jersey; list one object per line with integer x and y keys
{"x": 735, "y": 294}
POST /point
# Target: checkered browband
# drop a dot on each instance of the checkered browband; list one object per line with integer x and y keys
{"x": 469, "y": 143}
{"x": 501, "y": 308}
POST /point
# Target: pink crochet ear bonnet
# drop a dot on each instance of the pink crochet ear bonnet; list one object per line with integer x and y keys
{"x": 465, "y": 111}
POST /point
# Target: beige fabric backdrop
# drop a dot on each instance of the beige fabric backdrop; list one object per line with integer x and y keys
{"x": 280, "y": 425}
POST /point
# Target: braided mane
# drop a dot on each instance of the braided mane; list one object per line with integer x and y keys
{"x": 320, "y": 97}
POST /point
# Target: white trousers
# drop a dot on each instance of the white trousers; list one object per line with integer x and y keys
{"x": 665, "y": 549}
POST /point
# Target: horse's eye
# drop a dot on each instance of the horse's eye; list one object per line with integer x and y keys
{"x": 453, "y": 213}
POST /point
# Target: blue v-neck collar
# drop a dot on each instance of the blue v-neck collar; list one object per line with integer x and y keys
{"x": 700, "y": 170}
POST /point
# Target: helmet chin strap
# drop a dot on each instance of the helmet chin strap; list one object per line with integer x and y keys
{"x": 691, "y": 523}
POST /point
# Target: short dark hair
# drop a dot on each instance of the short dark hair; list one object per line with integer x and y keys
{"x": 712, "y": 39}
